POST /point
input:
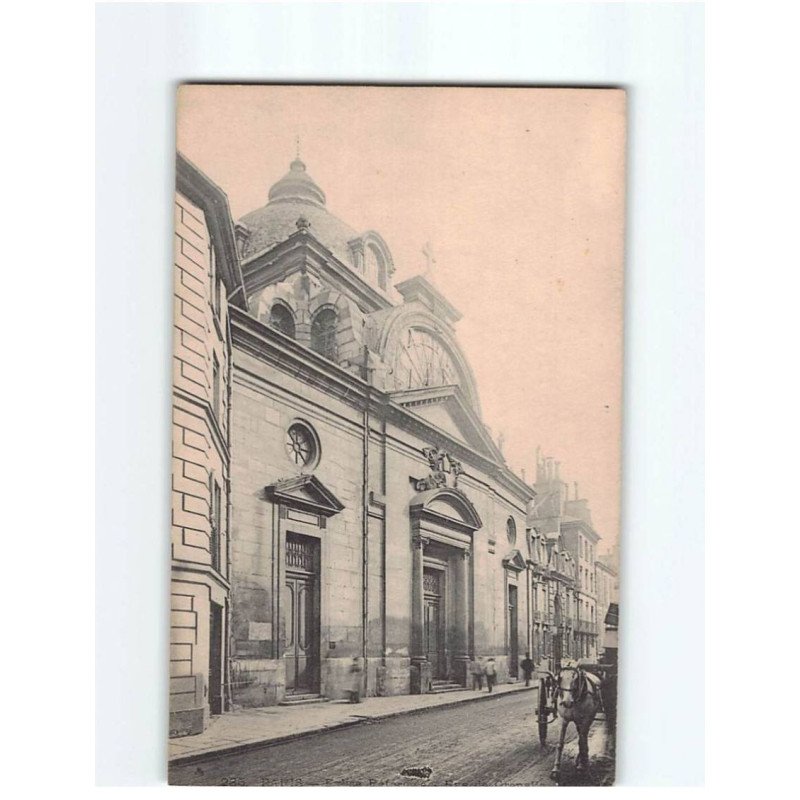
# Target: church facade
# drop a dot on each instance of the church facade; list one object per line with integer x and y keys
{"x": 355, "y": 520}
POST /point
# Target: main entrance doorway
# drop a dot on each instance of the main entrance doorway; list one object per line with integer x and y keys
{"x": 513, "y": 639}
{"x": 301, "y": 615}
{"x": 433, "y": 620}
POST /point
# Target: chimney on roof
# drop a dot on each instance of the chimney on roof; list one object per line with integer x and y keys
{"x": 576, "y": 489}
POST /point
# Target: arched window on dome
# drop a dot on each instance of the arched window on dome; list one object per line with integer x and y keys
{"x": 282, "y": 319}
{"x": 323, "y": 333}
{"x": 376, "y": 266}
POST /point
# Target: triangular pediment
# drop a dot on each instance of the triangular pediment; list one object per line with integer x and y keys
{"x": 514, "y": 560}
{"x": 444, "y": 408}
{"x": 307, "y": 493}
{"x": 441, "y": 417}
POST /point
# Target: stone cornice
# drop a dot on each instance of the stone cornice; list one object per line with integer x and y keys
{"x": 211, "y": 419}
{"x": 204, "y": 193}
{"x": 420, "y": 289}
{"x": 599, "y": 564}
{"x": 303, "y": 250}
{"x": 199, "y": 568}
{"x": 585, "y": 527}
{"x": 282, "y": 352}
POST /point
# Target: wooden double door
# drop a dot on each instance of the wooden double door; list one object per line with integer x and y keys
{"x": 513, "y": 632}
{"x": 301, "y": 616}
{"x": 434, "y": 622}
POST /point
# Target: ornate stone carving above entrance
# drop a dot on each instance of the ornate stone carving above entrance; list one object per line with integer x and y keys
{"x": 444, "y": 471}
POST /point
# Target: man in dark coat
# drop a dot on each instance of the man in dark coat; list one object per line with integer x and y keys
{"x": 527, "y": 668}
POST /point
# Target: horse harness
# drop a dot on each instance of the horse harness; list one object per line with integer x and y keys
{"x": 586, "y": 684}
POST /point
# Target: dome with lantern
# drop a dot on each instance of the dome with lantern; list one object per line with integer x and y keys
{"x": 297, "y": 199}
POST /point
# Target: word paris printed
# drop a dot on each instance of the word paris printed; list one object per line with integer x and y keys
{"x": 396, "y": 391}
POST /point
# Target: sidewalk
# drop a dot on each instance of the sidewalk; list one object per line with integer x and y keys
{"x": 253, "y": 727}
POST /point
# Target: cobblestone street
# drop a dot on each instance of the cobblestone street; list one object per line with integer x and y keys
{"x": 492, "y": 743}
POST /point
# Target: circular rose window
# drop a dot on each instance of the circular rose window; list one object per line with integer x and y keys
{"x": 511, "y": 531}
{"x": 301, "y": 445}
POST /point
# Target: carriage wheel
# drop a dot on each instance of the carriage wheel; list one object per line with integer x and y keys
{"x": 542, "y": 711}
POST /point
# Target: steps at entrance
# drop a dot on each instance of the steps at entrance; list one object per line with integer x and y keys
{"x": 440, "y": 687}
{"x": 302, "y": 699}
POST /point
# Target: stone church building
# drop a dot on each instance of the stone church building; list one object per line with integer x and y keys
{"x": 337, "y": 499}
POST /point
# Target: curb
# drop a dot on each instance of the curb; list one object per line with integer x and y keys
{"x": 243, "y": 747}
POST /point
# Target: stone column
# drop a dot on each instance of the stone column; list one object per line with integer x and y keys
{"x": 463, "y": 656}
{"x": 420, "y": 667}
{"x": 302, "y": 327}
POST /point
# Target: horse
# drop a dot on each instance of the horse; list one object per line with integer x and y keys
{"x": 577, "y": 696}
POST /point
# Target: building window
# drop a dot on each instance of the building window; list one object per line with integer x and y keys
{"x": 282, "y": 319}
{"x": 215, "y": 394}
{"x": 376, "y": 267}
{"x": 216, "y": 522}
{"x": 511, "y": 530}
{"x": 302, "y": 445}
{"x": 213, "y": 278}
{"x": 323, "y": 333}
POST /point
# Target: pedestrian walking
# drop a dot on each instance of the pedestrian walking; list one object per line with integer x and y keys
{"x": 476, "y": 669}
{"x": 491, "y": 674}
{"x": 355, "y": 674}
{"x": 527, "y": 668}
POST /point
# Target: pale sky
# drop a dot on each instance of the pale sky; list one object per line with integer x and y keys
{"x": 520, "y": 192}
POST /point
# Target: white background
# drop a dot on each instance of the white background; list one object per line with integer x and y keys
{"x": 657, "y": 53}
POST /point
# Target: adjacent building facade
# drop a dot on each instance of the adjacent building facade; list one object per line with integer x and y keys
{"x": 607, "y": 600}
{"x": 207, "y": 284}
{"x": 563, "y": 524}
{"x": 553, "y": 588}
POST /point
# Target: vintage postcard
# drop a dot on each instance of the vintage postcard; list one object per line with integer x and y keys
{"x": 396, "y": 435}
